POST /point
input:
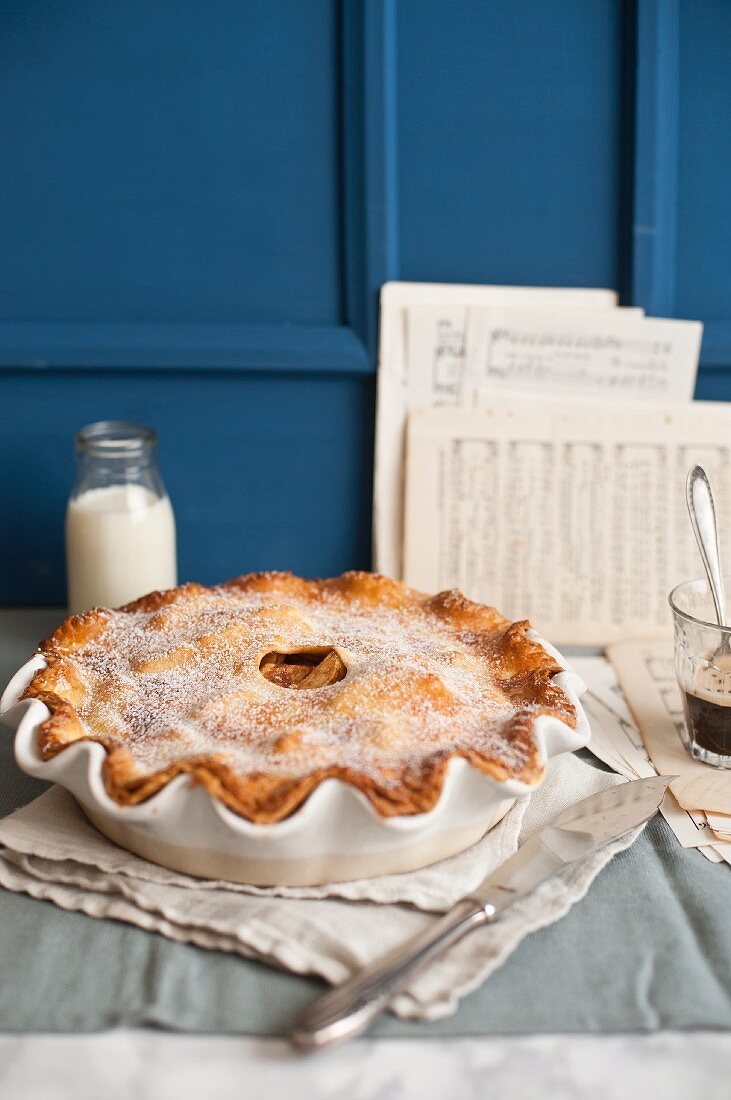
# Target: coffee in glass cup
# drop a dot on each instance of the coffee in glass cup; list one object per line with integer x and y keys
{"x": 703, "y": 672}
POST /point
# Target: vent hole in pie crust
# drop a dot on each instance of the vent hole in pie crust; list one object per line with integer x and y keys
{"x": 318, "y": 666}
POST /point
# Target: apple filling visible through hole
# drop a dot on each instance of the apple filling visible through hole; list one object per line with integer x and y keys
{"x": 308, "y": 668}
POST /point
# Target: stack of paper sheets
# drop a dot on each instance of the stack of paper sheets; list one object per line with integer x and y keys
{"x": 616, "y": 738}
{"x": 645, "y": 674}
{"x": 532, "y": 446}
{"x": 465, "y": 346}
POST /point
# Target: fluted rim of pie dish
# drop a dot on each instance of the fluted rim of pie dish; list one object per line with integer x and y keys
{"x": 552, "y": 737}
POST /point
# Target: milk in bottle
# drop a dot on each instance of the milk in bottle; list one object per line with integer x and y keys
{"x": 120, "y": 529}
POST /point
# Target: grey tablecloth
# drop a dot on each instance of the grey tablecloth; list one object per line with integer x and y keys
{"x": 649, "y": 948}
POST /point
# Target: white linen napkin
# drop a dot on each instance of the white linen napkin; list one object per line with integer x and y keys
{"x": 49, "y": 850}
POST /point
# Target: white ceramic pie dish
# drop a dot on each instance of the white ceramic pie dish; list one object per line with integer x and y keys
{"x": 336, "y": 835}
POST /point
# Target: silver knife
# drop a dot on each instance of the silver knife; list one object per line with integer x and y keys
{"x": 350, "y": 1008}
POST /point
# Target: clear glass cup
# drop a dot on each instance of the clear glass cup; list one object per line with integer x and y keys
{"x": 120, "y": 528}
{"x": 703, "y": 672}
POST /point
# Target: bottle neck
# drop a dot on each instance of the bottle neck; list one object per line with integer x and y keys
{"x": 117, "y": 453}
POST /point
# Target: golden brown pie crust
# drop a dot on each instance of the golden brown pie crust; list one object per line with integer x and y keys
{"x": 171, "y": 684}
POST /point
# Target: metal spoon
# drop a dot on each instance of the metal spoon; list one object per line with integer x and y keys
{"x": 702, "y": 513}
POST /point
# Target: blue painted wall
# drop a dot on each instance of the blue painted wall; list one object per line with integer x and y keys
{"x": 704, "y": 195}
{"x": 170, "y": 161}
{"x": 509, "y": 131}
{"x": 198, "y": 203}
{"x": 265, "y": 470}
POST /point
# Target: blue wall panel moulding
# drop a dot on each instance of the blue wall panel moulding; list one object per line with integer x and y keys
{"x": 311, "y": 348}
{"x": 370, "y": 160}
{"x": 703, "y": 275}
{"x": 656, "y": 157}
{"x": 681, "y": 224}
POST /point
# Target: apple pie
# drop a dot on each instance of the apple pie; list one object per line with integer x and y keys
{"x": 262, "y": 688}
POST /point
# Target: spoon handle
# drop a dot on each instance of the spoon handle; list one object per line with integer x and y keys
{"x": 703, "y": 519}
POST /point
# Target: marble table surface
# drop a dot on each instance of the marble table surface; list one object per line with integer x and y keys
{"x": 151, "y": 1065}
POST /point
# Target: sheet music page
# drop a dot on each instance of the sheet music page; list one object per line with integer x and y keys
{"x": 437, "y": 355}
{"x": 617, "y": 354}
{"x": 645, "y": 670}
{"x": 569, "y": 512}
{"x": 402, "y": 387}
{"x": 454, "y": 351}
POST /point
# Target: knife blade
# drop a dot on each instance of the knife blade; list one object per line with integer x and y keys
{"x": 584, "y": 828}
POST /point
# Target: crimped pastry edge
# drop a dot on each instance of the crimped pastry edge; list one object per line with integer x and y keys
{"x": 223, "y": 784}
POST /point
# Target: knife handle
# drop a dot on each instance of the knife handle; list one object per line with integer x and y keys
{"x": 349, "y": 1009}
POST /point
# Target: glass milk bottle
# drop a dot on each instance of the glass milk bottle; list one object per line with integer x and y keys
{"x": 120, "y": 529}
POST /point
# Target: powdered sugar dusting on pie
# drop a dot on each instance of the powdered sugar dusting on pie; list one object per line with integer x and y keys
{"x": 172, "y": 684}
